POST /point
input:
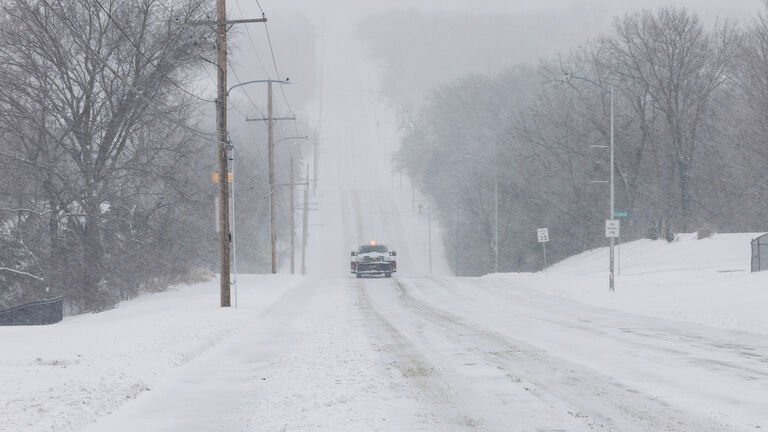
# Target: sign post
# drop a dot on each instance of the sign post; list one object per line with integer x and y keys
{"x": 612, "y": 231}
{"x": 618, "y": 214}
{"x": 543, "y": 235}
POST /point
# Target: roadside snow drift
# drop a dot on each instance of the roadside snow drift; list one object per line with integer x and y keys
{"x": 65, "y": 376}
{"x": 705, "y": 281}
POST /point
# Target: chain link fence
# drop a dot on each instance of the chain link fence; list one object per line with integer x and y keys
{"x": 760, "y": 253}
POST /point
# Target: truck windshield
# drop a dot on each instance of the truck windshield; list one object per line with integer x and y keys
{"x": 374, "y": 248}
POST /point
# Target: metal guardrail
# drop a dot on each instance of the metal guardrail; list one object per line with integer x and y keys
{"x": 35, "y": 313}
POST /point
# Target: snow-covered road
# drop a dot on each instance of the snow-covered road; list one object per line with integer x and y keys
{"x": 443, "y": 354}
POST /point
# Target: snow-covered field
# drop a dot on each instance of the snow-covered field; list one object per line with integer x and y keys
{"x": 703, "y": 281}
{"x": 65, "y": 376}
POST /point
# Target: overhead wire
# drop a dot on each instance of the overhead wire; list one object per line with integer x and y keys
{"x": 277, "y": 72}
{"x": 237, "y": 78}
{"x": 274, "y": 60}
{"x": 149, "y": 61}
{"x": 250, "y": 38}
{"x": 260, "y": 8}
{"x": 230, "y": 104}
{"x": 73, "y": 30}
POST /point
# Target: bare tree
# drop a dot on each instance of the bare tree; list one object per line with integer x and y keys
{"x": 92, "y": 111}
{"x": 676, "y": 66}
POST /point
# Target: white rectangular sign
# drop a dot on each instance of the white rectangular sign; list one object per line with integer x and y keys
{"x": 612, "y": 228}
{"x": 543, "y": 234}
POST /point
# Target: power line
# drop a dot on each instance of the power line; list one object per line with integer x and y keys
{"x": 277, "y": 72}
{"x": 139, "y": 94}
{"x": 239, "y": 161}
{"x": 255, "y": 48}
{"x": 232, "y": 105}
{"x": 262, "y": 10}
{"x": 149, "y": 61}
{"x": 237, "y": 78}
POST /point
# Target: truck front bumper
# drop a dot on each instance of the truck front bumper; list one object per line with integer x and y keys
{"x": 374, "y": 268}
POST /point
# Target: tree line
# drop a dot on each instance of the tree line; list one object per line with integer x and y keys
{"x": 107, "y": 151}
{"x": 691, "y": 142}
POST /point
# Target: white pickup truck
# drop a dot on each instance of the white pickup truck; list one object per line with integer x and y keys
{"x": 373, "y": 259}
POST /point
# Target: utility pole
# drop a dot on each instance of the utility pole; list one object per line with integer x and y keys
{"x": 291, "y": 221}
{"x": 304, "y": 226}
{"x": 272, "y": 188}
{"x": 457, "y": 241}
{"x": 316, "y": 165}
{"x": 613, "y": 213}
{"x": 225, "y": 237}
{"x": 221, "y": 127}
{"x": 270, "y": 119}
{"x": 291, "y": 218}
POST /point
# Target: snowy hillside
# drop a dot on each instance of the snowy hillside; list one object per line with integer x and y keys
{"x": 65, "y": 376}
{"x": 705, "y": 281}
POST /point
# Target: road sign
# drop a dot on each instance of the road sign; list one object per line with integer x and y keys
{"x": 612, "y": 228}
{"x": 620, "y": 214}
{"x": 543, "y": 234}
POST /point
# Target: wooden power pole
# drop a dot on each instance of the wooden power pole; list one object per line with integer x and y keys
{"x": 315, "y": 166}
{"x": 272, "y": 186}
{"x": 225, "y": 237}
{"x": 221, "y": 126}
{"x": 304, "y": 226}
{"x": 291, "y": 219}
{"x": 271, "y": 119}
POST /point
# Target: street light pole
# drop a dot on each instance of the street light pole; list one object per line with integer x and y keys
{"x": 611, "y": 214}
{"x": 496, "y": 234}
{"x": 301, "y": 137}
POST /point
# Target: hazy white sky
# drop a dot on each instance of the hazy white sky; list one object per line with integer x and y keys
{"x": 354, "y": 9}
{"x": 348, "y": 53}
{"x": 302, "y": 30}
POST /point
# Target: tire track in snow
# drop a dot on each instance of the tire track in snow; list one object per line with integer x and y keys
{"x": 416, "y": 369}
{"x": 624, "y": 408}
{"x": 739, "y": 354}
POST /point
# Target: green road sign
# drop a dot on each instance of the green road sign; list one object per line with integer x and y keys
{"x": 620, "y": 214}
